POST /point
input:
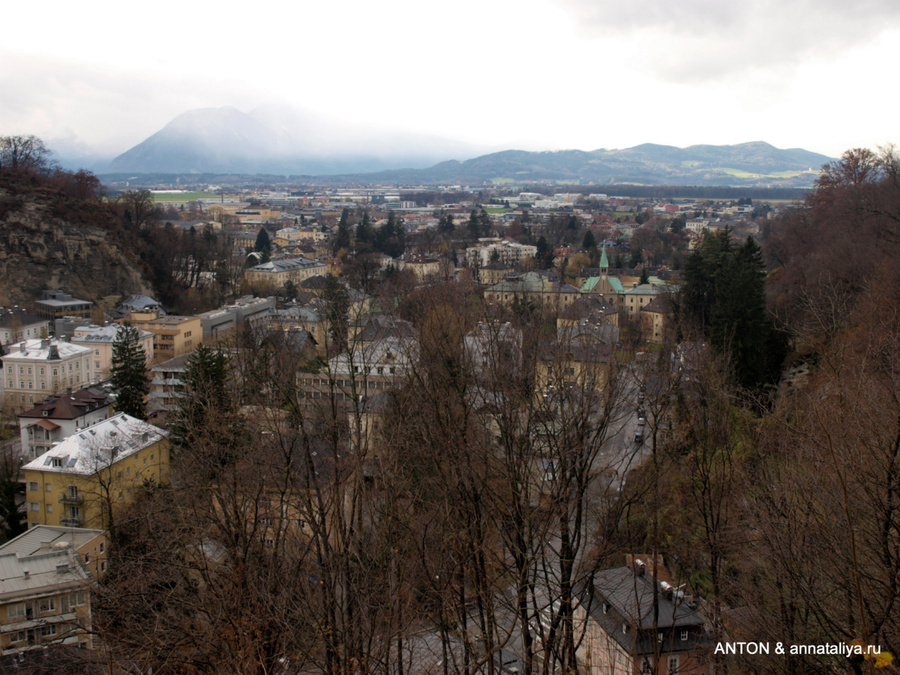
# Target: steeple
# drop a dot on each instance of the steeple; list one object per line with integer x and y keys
{"x": 604, "y": 261}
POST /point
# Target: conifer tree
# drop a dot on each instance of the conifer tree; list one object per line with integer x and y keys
{"x": 129, "y": 373}
{"x": 342, "y": 238}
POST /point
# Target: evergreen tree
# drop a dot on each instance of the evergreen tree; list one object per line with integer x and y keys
{"x": 342, "y": 239}
{"x": 446, "y": 226}
{"x": 645, "y": 277}
{"x": 336, "y": 303}
{"x": 263, "y": 245}
{"x": 544, "y": 256}
{"x": 739, "y": 324}
{"x": 206, "y": 403}
{"x": 364, "y": 231}
{"x": 474, "y": 225}
{"x": 589, "y": 241}
{"x": 129, "y": 373}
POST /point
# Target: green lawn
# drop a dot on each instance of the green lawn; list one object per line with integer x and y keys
{"x": 182, "y": 197}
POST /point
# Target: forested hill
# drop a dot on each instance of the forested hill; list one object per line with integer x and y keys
{"x": 755, "y": 164}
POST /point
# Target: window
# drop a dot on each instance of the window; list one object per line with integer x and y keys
{"x": 33, "y": 486}
{"x": 34, "y": 506}
{"x": 684, "y": 636}
{"x": 48, "y": 631}
{"x": 18, "y": 636}
{"x": 48, "y": 487}
{"x": 73, "y": 492}
{"x": 659, "y": 637}
{"x": 48, "y": 605}
{"x": 673, "y": 665}
{"x": 15, "y": 610}
{"x": 49, "y": 508}
{"x": 77, "y": 599}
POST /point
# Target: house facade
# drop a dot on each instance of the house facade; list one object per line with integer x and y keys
{"x": 102, "y": 340}
{"x": 99, "y": 468}
{"x": 34, "y": 369}
{"x": 59, "y": 416}
{"x": 45, "y": 597}
{"x": 636, "y": 622}
{"x": 17, "y": 325}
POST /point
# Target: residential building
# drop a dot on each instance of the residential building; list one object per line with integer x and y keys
{"x": 102, "y": 340}
{"x": 34, "y": 369}
{"x": 17, "y": 325}
{"x": 219, "y": 322}
{"x": 56, "y": 304}
{"x": 364, "y": 370}
{"x": 543, "y": 291}
{"x": 77, "y": 482}
{"x": 635, "y": 621}
{"x": 45, "y": 596}
{"x": 494, "y": 250}
{"x": 90, "y": 546}
{"x": 279, "y": 272}
{"x": 303, "y": 317}
{"x": 59, "y": 416}
{"x": 580, "y": 357}
{"x": 656, "y": 319}
{"x": 166, "y": 387}
{"x": 173, "y": 335}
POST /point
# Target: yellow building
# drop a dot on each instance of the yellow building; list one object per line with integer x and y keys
{"x": 173, "y": 335}
{"x": 579, "y": 358}
{"x": 97, "y": 469}
{"x": 278, "y": 272}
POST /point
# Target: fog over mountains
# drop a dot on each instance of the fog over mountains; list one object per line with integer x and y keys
{"x": 279, "y": 140}
{"x": 282, "y": 141}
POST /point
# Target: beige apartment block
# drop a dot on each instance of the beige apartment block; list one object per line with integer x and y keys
{"x": 34, "y": 369}
{"x": 102, "y": 340}
{"x": 173, "y": 335}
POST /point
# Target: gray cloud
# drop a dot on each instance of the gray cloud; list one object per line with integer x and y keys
{"x": 701, "y": 40}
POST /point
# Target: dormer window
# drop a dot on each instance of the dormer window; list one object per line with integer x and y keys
{"x": 56, "y": 462}
{"x": 46, "y": 413}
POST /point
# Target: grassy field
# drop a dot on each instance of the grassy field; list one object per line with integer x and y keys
{"x": 738, "y": 173}
{"x": 182, "y": 197}
{"x": 496, "y": 209}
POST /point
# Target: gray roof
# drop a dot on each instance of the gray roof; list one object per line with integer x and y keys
{"x": 287, "y": 265}
{"x": 631, "y": 595}
{"x": 98, "y": 446}
{"x": 39, "y": 573}
{"x": 43, "y": 538}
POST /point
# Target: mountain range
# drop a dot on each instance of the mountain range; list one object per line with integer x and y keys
{"x": 283, "y": 141}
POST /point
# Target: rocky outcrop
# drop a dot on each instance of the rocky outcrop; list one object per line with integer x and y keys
{"x": 50, "y": 242}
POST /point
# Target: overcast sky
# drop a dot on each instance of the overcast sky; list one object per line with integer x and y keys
{"x": 532, "y": 74}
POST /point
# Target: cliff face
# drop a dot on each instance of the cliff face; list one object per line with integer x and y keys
{"x": 49, "y": 241}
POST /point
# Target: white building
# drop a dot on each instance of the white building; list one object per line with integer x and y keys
{"x": 34, "y": 369}
{"x": 17, "y": 325}
{"x": 59, "y": 416}
{"x": 508, "y": 252}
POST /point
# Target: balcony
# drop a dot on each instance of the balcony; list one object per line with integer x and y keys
{"x": 76, "y": 521}
{"x": 77, "y": 500}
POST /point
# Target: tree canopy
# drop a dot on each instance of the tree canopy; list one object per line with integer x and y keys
{"x": 129, "y": 373}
